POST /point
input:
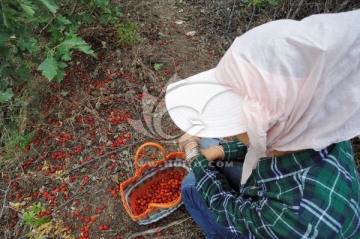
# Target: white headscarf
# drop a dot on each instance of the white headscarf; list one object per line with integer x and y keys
{"x": 299, "y": 82}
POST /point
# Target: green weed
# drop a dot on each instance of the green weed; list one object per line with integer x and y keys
{"x": 127, "y": 34}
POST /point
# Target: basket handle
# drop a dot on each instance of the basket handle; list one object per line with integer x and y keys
{"x": 158, "y": 146}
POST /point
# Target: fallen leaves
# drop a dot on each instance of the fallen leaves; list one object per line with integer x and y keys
{"x": 17, "y": 205}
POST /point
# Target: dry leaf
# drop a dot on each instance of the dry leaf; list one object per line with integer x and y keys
{"x": 45, "y": 228}
{"x": 17, "y": 205}
{"x": 103, "y": 44}
{"x": 115, "y": 178}
{"x": 97, "y": 105}
{"x": 65, "y": 179}
{"x": 64, "y": 93}
{"x": 191, "y": 33}
{"x": 59, "y": 173}
{"x": 45, "y": 166}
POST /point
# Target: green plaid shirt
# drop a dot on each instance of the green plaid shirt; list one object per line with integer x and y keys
{"x": 311, "y": 194}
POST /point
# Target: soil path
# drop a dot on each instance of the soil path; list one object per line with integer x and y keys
{"x": 171, "y": 36}
{"x": 182, "y": 41}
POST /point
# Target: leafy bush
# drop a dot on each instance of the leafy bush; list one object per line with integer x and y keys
{"x": 40, "y": 35}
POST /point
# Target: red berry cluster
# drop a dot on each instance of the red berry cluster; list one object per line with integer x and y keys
{"x": 165, "y": 190}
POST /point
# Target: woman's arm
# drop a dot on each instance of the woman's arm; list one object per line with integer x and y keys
{"x": 231, "y": 151}
{"x": 249, "y": 215}
{"x": 234, "y": 150}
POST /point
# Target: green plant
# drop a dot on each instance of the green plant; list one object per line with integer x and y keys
{"x": 158, "y": 66}
{"x": 261, "y": 4}
{"x": 40, "y": 35}
{"x": 127, "y": 34}
{"x": 24, "y": 20}
{"x": 14, "y": 140}
{"x": 32, "y": 218}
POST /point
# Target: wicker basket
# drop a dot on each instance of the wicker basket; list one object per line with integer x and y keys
{"x": 149, "y": 172}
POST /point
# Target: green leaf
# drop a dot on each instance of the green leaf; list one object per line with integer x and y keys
{"x": 27, "y": 9}
{"x": 50, "y": 5}
{"x": 28, "y": 43}
{"x": 86, "y": 49}
{"x": 60, "y": 75}
{"x": 103, "y": 4}
{"x": 158, "y": 66}
{"x": 73, "y": 40}
{"x": 6, "y": 96}
{"x": 61, "y": 65}
{"x": 117, "y": 11}
{"x": 49, "y": 68}
{"x": 66, "y": 56}
{"x": 4, "y": 82}
{"x": 55, "y": 33}
{"x": 86, "y": 18}
{"x": 27, "y": 219}
{"x": 63, "y": 20}
{"x": 5, "y": 19}
{"x": 23, "y": 72}
{"x": 104, "y": 19}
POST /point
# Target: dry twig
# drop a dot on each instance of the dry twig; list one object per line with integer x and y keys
{"x": 5, "y": 196}
{"x": 154, "y": 230}
{"x": 297, "y": 9}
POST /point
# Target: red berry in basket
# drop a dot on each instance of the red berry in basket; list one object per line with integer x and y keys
{"x": 163, "y": 189}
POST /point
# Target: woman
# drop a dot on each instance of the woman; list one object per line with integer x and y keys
{"x": 289, "y": 91}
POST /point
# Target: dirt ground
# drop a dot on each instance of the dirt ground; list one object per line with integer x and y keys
{"x": 85, "y": 144}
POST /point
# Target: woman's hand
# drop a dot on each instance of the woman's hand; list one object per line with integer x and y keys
{"x": 213, "y": 152}
{"x": 185, "y": 137}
